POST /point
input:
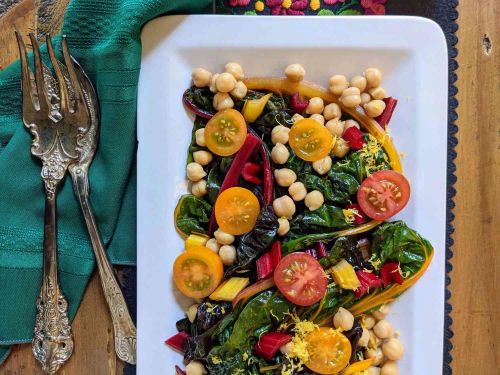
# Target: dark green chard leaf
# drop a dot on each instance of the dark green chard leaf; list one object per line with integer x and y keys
{"x": 396, "y": 241}
{"x": 344, "y": 185}
{"x": 360, "y": 163}
{"x": 201, "y": 97}
{"x": 210, "y": 313}
{"x": 215, "y": 177}
{"x": 299, "y": 166}
{"x": 334, "y": 298}
{"x": 194, "y": 215}
{"x": 263, "y": 312}
{"x": 323, "y": 219}
{"x": 292, "y": 244}
{"x": 198, "y": 124}
{"x": 344, "y": 247}
{"x": 313, "y": 182}
{"x": 257, "y": 241}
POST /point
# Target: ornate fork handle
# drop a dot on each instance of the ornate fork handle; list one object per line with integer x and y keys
{"x": 125, "y": 331}
{"x": 52, "y": 340}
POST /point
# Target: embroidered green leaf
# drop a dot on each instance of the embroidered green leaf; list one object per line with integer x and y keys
{"x": 349, "y": 12}
{"x": 325, "y": 12}
{"x": 250, "y": 13}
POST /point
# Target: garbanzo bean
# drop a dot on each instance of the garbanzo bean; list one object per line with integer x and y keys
{"x": 235, "y": 70}
{"x": 332, "y": 111}
{"x": 316, "y": 105}
{"x": 314, "y": 200}
{"x": 201, "y": 77}
{"x": 225, "y": 82}
{"x": 337, "y": 84}
{"x": 359, "y": 82}
{"x": 222, "y": 100}
{"x": 295, "y": 72}
{"x": 351, "y": 97}
{"x": 284, "y": 207}
{"x": 374, "y": 108}
{"x": 373, "y": 77}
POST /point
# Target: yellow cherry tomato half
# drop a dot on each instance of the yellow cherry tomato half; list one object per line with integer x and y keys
{"x": 198, "y": 272}
{"x": 329, "y": 351}
{"x": 225, "y": 132}
{"x": 236, "y": 210}
{"x": 310, "y": 140}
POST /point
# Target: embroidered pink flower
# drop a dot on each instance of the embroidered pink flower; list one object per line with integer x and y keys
{"x": 332, "y": 2}
{"x": 239, "y": 3}
{"x": 287, "y": 7}
{"x": 373, "y": 7}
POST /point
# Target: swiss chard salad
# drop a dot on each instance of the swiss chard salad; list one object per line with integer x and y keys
{"x": 291, "y": 257}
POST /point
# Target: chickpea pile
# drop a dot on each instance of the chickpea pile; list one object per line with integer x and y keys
{"x": 361, "y": 90}
{"x": 226, "y": 85}
{"x": 378, "y": 339}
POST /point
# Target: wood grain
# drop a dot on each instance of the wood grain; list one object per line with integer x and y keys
{"x": 476, "y": 264}
{"x": 94, "y": 343}
{"x": 476, "y": 273}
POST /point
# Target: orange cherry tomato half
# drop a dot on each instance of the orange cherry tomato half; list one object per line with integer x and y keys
{"x": 236, "y": 210}
{"x": 310, "y": 140}
{"x": 383, "y": 194}
{"x": 225, "y": 133}
{"x": 301, "y": 279}
{"x": 329, "y": 351}
{"x": 198, "y": 272}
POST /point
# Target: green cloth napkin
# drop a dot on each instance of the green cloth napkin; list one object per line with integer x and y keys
{"x": 104, "y": 36}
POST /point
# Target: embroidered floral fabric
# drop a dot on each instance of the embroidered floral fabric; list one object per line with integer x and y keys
{"x": 300, "y": 7}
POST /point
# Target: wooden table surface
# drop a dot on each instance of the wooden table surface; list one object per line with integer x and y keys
{"x": 476, "y": 263}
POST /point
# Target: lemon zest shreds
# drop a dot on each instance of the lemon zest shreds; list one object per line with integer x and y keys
{"x": 259, "y": 6}
{"x": 299, "y": 354}
{"x": 368, "y": 155}
{"x": 216, "y": 360}
{"x": 350, "y": 215}
{"x": 376, "y": 263}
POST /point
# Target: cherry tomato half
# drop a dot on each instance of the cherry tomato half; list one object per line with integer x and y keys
{"x": 383, "y": 194}
{"x": 236, "y": 210}
{"x": 310, "y": 140}
{"x": 329, "y": 351}
{"x": 225, "y": 133}
{"x": 301, "y": 279}
{"x": 198, "y": 272}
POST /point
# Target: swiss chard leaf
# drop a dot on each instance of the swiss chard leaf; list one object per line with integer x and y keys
{"x": 396, "y": 241}
{"x": 325, "y": 218}
{"x": 193, "y": 215}
{"x": 299, "y": 166}
{"x": 263, "y": 312}
{"x": 313, "y": 182}
{"x": 345, "y": 248}
{"x": 257, "y": 241}
{"x": 199, "y": 123}
{"x": 361, "y": 163}
{"x": 210, "y": 313}
{"x": 201, "y": 97}
{"x": 215, "y": 177}
{"x": 344, "y": 186}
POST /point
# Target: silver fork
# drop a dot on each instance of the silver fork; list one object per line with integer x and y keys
{"x": 124, "y": 328}
{"x": 57, "y": 130}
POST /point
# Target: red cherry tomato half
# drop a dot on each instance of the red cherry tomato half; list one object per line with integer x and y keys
{"x": 301, "y": 279}
{"x": 383, "y": 194}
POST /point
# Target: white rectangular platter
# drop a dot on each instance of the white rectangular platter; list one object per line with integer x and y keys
{"x": 410, "y": 51}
